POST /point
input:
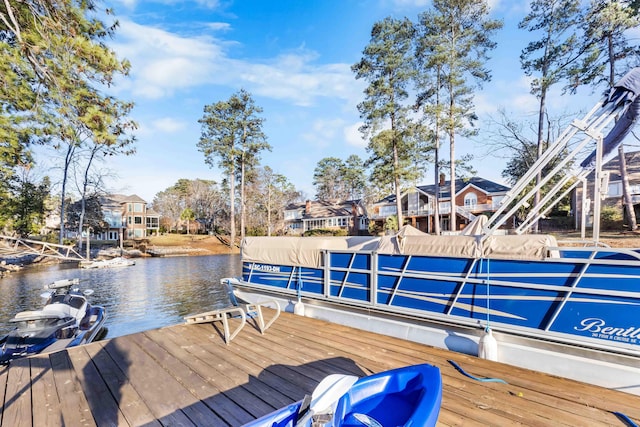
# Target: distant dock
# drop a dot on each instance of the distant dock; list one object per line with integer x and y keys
{"x": 185, "y": 375}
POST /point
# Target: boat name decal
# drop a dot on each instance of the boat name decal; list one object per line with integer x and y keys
{"x": 599, "y": 329}
{"x": 269, "y": 268}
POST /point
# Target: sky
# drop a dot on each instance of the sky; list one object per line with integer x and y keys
{"x": 294, "y": 57}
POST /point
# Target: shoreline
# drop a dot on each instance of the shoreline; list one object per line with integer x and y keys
{"x": 159, "y": 246}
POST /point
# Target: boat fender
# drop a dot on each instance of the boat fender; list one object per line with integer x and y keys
{"x": 488, "y": 346}
{"x": 298, "y": 308}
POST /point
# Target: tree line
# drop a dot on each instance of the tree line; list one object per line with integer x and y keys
{"x": 421, "y": 79}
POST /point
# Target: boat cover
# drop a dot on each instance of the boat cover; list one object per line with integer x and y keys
{"x": 625, "y": 92}
{"x": 307, "y": 251}
{"x": 519, "y": 246}
{"x": 303, "y": 251}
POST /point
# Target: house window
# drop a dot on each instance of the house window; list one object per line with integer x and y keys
{"x": 470, "y": 200}
{"x": 615, "y": 189}
{"x": 387, "y": 210}
{"x": 137, "y": 220}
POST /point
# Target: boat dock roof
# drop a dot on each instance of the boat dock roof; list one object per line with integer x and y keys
{"x": 186, "y": 375}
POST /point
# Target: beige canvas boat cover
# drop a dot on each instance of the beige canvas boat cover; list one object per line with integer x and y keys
{"x": 301, "y": 251}
{"x": 525, "y": 246}
{"x": 307, "y": 251}
{"x": 393, "y": 244}
{"x": 454, "y": 246}
{"x": 475, "y": 227}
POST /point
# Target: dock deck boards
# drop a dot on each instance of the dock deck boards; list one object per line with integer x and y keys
{"x": 186, "y": 375}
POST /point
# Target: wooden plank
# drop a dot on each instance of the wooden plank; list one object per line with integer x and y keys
{"x": 44, "y": 393}
{"x": 130, "y": 404}
{"x": 17, "y": 408}
{"x": 234, "y": 371}
{"x": 158, "y": 389}
{"x": 73, "y": 404}
{"x": 187, "y": 369}
{"x": 251, "y": 364}
{"x": 186, "y": 375}
{"x": 102, "y": 403}
{"x": 4, "y": 370}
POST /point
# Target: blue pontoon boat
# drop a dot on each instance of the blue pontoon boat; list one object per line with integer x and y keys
{"x": 562, "y": 309}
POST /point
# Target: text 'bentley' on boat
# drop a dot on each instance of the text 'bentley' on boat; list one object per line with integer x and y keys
{"x": 565, "y": 310}
{"x": 66, "y": 320}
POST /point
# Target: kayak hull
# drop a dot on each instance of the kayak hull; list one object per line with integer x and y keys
{"x": 409, "y": 396}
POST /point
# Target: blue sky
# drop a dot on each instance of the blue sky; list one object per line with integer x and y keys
{"x": 294, "y": 57}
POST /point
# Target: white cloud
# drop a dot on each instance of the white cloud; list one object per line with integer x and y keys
{"x": 164, "y": 62}
{"x": 169, "y": 125}
{"x": 219, "y": 26}
{"x": 323, "y": 132}
{"x": 353, "y": 136}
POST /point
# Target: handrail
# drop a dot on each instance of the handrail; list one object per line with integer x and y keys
{"x": 52, "y": 250}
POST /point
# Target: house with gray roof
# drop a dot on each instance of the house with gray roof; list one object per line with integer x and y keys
{"x": 350, "y": 216}
{"x": 128, "y": 215}
{"x": 474, "y": 196}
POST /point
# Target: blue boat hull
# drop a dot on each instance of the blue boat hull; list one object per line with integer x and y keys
{"x": 409, "y": 396}
{"x": 585, "y": 297}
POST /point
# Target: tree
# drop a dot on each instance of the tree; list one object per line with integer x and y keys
{"x": 550, "y": 57}
{"x": 188, "y": 215}
{"x": 455, "y": 41}
{"x": 429, "y": 83}
{"x": 268, "y": 193}
{"x": 232, "y": 138}
{"x": 27, "y": 207}
{"x": 386, "y": 65}
{"x": 56, "y": 62}
{"x": 354, "y": 177}
{"x": 169, "y": 205}
{"x": 337, "y": 180}
{"x": 207, "y": 201}
{"x": 87, "y": 211}
{"x": 328, "y": 179}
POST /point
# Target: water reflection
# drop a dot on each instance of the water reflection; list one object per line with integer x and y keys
{"x": 155, "y": 292}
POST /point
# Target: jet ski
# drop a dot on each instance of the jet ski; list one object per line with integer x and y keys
{"x": 66, "y": 320}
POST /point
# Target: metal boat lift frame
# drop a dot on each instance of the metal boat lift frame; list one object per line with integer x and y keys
{"x": 591, "y": 126}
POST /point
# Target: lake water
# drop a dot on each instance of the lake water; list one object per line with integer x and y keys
{"x": 155, "y": 292}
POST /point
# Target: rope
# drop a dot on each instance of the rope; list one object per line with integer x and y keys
{"x": 299, "y": 283}
{"x": 484, "y": 380}
{"x": 626, "y": 419}
{"x": 488, "y": 298}
{"x": 487, "y": 282}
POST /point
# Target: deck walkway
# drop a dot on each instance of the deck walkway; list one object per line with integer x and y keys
{"x": 185, "y": 375}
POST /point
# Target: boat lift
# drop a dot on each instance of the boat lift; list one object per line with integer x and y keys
{"x": 623, "y": 103}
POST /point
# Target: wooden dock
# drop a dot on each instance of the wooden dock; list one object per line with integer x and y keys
{"x": 185, "y": 375}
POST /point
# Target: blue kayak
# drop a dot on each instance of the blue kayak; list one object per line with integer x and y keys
{"x": 409, "y": 396}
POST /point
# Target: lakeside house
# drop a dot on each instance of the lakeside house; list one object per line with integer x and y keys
{"x": 474, "y": 196}
{"x": 350, "y": 216}
{"x": 126, "y": 215}
{"x": 129, "y": 216}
